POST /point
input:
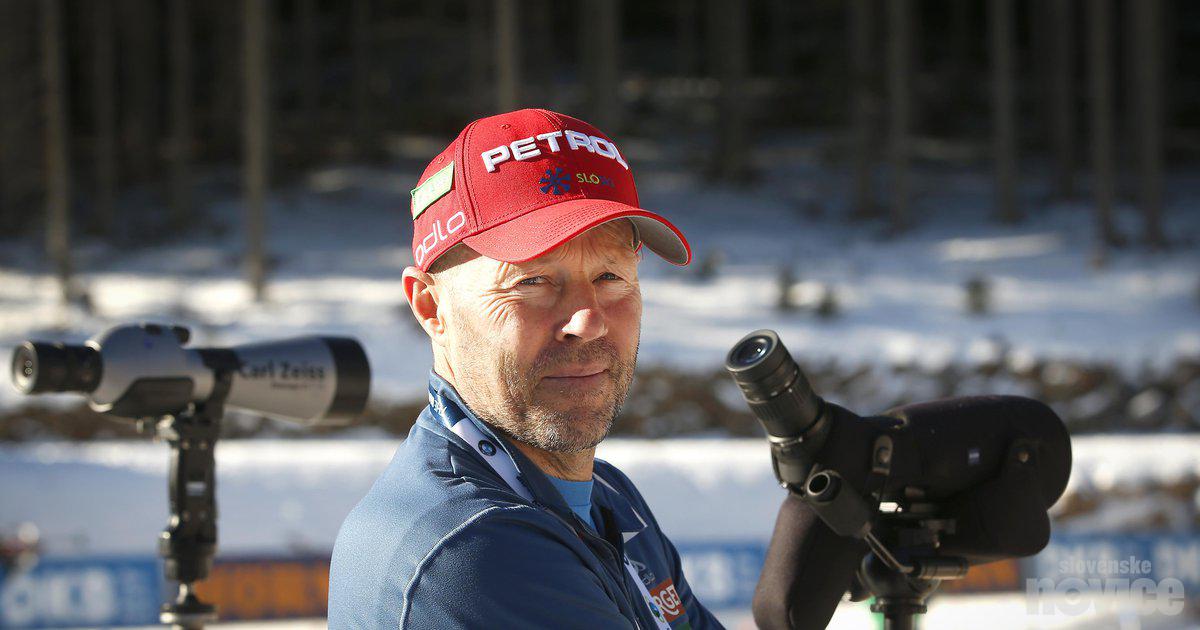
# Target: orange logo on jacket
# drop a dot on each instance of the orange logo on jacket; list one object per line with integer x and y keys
{"x": 667, "y": 599}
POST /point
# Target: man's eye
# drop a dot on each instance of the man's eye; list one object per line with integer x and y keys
{"x": 531, "y": 281}
{"x": 610, "y": 276}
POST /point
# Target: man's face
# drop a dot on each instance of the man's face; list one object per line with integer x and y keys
{"x": 545, "y": 349}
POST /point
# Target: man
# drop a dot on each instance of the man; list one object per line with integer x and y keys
{"x": 494, "y": 512}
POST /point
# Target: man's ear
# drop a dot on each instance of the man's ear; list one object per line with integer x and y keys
{"x": 425, "y": 298}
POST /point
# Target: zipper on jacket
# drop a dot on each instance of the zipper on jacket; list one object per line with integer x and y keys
{"x": 613, "y": 564}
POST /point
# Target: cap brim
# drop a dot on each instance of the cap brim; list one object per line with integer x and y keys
{"x": 539, "y": 231}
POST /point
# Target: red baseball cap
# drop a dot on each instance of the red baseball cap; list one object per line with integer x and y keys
{"x": 516, "y": 185}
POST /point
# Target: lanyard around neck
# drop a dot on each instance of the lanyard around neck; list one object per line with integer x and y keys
{"x": 452, "y": 417}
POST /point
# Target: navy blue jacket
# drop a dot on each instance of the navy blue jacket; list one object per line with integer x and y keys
{"x": 442, "y": 541}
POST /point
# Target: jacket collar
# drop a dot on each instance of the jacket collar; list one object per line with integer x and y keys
{"x": 604, "y": 492}
{"x": 455, "y": 409}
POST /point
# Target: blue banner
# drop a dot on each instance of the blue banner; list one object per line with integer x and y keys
{"x": 124, "y": 591}
{"x": 723, "y": 574}
{"x": 1098, "y": 556}
{"x": 70, "y": 592}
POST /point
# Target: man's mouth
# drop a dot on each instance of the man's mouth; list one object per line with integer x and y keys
{"x": 585, "y": 376}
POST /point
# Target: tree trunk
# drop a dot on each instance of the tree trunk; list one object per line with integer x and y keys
{"x": 255, "y": 129}
{"x": 225, "y": 106}
{"x": 181, "y": 111}
{"x": 508, "y": 56}
{"x": 360, "y": 41}
{"x": 104, "y": 108}
{"x": 1100, "y": 84}
{"x": 859, "y": 16}
{"x": 310, "y": 52}
{"x": 686, "y": 26}
{"x": 140, "y": 105}
{"x": 781, "y": 35}
{"x": 1146, "y": 40}
{"x": 960, "y": 46}
{"x": 727, "y": 34}
{"x": 1062, "y": 95}
{"x": 58, "y": 159}
{"x": 480, "y": 57}
{"x": 600, "y": 36}
{"x": 1004, "y": 140}
{"x": 899, "y": 14}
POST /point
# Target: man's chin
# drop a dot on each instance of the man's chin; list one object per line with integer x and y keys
{"x": 572, "y": 428}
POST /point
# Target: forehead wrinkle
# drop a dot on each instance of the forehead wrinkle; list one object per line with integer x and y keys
{"x": 504, "y": 271}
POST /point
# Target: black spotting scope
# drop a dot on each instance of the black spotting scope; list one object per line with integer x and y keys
{"x": 894, "y": 503}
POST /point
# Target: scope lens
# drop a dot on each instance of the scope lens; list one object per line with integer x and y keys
{"x": 24, "y": 368}
{"x": 55, "y": 367}
{"x": 752, "y": 350}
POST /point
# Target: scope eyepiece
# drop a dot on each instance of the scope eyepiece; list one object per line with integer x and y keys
{"x": 750, "y": 351}
{"x": 38, "y": 367}
{"x": 773, "y": 385}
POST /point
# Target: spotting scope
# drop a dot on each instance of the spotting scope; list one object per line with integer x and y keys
{"x": 144, "y": 373}
{"x": 893, "y": 504}
{"x": 145, "y": 370}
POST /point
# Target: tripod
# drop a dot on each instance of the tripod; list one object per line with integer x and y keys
{"x": 189, "y": 541}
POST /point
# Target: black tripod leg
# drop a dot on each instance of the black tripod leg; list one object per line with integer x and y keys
{"x": 808, "y": 569}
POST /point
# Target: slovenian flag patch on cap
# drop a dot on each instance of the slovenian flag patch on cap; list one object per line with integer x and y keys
{"x": 432, "y": 189}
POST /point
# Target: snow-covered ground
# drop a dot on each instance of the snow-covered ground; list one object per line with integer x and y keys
{"x": 287, "y": 497}
{"x": 341, "y": 238}
{"x": 110, "y": 497}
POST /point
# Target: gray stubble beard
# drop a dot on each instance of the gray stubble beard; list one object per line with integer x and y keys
{"x": 548, "y": 430}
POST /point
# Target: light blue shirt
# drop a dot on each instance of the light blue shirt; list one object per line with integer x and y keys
{"x": 578, "y": 495}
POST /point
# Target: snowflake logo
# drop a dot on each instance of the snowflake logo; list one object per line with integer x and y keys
{"x": 555, "y": 181}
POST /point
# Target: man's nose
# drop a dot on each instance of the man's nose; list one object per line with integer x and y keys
{"x": 586, "y": 320}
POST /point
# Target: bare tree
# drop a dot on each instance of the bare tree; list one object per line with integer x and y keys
{"x": 256, "y": 133}
{"x": 22, "y": 173}
{"x": 1062, "y": 95}
{"x": 782, "y": 37}
{"x": 58, "y": 159}
{"x": 479, "y": 55}
{"x": 104, "y": 108}
{"x": 508, "y": 56}
{"x": 310, "y": 47}
{"x": 728, "y": 37}
{"x": 600, "y": 34}
{"x": 1146, "y": 36}
{"x": 361, "y": 44}
{"x": 140, "y": 105}
{"x": 687, "y": 23}
{"x": 1100, "y": 86}
{"x": 225, "y": 104}
{"x": 899, "y": 63}
{"x": 960, "y": 40}
{"x": 179, "y": 18}
{"x": 862, "y": 109}
{"x": 1004, "y": 131}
